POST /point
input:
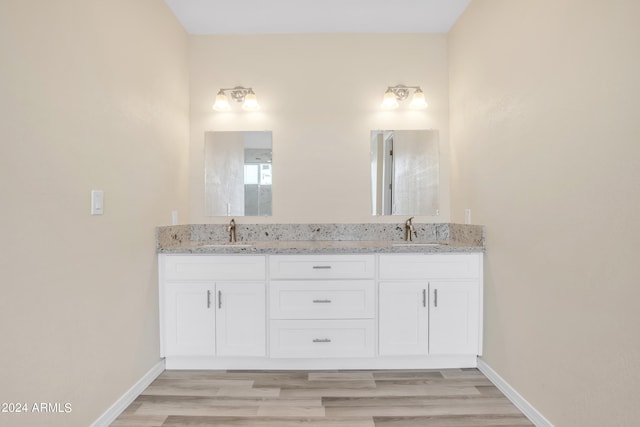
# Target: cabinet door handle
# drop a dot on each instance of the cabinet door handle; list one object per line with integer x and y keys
{"x": 208, "y": 298}
{"x": 424, "y": 297}
{"x": 219, "y": 299}
{"x": 321, "y": 267}
{"x": 435, "y": 297}
{"x": 322, "y": 301}
{"x": 321, "y": 340}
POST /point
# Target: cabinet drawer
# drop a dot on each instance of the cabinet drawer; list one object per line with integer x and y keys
{"x": 214, "y": 267}
{"x": 322, "y": 266}
{"x": 336, "y": 299}
{"x": 322, "y": 338}
{"x": 427, "y": 266}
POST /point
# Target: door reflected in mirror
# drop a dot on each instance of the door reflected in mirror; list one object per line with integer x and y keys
{"x": 405, "y": 170}
{"x": 238, "y": 169}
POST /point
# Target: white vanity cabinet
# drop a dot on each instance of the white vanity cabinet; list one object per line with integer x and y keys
{"x": 322, "y": 306}
{"x": 321, "y": 311}
{"x": 212, "y": 305}
{"x": 430, "y": 304}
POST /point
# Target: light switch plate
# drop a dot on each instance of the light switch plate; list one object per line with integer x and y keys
{"x": 97, "y": 202}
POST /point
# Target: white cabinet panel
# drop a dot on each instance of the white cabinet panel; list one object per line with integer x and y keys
{"x": 403, "y": 319}
{"x": 322, "y": 338}
{"x": 430, "y": 266}
{"x": 189, "y": 320}
{"x": 453, "y": 318}
{"x": 240, "y": 319}
{"x": 214, "y": 267}
{"x": 324, "y": 310}
{"x": 430, "y": 304}
{"x": 322, "y": 266}
{"x": 375, "y": 310}
{"x": 347, "y": 299}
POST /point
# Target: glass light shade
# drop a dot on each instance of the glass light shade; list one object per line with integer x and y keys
{"x": 389, "y": 101}
{"x": 222, "y": 102}
{"x": 418, "y": 100}
{"x": 250, "y": 102}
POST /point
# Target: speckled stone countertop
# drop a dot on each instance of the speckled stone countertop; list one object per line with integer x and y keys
{"x": 319, "y": 239}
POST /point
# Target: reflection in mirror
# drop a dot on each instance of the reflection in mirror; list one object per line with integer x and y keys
{"x": 237, "y": 173}
{"x": 404, "y": 172}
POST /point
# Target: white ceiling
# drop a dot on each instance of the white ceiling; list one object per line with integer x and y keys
{"x": 316, "y": 16}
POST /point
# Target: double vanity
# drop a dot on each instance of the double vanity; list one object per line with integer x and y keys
{"x": 329, "y": 296}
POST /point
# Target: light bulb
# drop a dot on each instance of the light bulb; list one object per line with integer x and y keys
{"x": 222, "y": 102}
{"x": 250, "y": 102}
{"x": 389, "y": 101}
{"x": 418, "y": 100}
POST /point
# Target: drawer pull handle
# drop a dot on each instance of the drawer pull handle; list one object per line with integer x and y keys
{"x": 321, "y": 340}
{"x": 435, "y": 297}
{"x": 424, "y": 297}
{"x": 208, "y": 299}
{"x": 321, "y": 267}
{"x": 322, "y": 301}
{"x": 219, "y": 299}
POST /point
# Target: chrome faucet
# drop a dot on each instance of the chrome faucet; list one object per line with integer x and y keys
{"x": 409, "y": 230}
{"x": 231, "y": 228}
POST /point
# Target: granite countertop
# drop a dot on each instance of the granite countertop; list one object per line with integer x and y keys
{"x": 318, "y": 247}
{"x": 319, "y": 239}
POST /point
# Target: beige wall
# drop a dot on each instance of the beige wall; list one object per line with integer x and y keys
{"x": 321, "y": 96}
{"x": 545, "y": 151}
{"x": 93, "y": 95}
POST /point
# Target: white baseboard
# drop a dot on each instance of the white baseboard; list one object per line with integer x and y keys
{"x": 129, "y": 396}
{"x": 313, "y": 364}
{"x": 527, "y": 409}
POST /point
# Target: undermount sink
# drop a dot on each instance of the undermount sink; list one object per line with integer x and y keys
{"x": 227, "y": 245}
{"x": 418, "y": 244}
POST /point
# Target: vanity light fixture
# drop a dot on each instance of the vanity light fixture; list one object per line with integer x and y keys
{"x": 238, "y": 94}
{"x": 400, "y": 93}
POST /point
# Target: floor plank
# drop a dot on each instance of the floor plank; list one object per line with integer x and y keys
{"x": 433, "y": 398}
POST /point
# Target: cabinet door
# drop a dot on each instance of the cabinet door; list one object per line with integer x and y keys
{"x": 403, "y": 326}
{"x": 189, "y": 320}
{"x": 241, "y": 323}
{"x": 453, "y": 318}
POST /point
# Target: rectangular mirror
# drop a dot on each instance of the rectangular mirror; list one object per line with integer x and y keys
{"x": 237, "y": 173}
{"x": 405, "y": 170}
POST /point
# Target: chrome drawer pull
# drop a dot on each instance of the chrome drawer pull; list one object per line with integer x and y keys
{"x": 322, "y": 301}
{"x": 208, "y": 299}
{"x": 219, "y": 299}
{"x": 435, "y": 298}
{"x": 321, "y": 340}
{"x": 321, "y": 267}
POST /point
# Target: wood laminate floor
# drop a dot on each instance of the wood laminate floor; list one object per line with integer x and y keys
{"x": 434, "y": 398}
